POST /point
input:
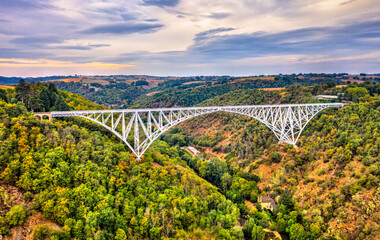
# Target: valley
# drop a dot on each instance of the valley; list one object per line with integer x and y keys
{"x": 75, "y": 179}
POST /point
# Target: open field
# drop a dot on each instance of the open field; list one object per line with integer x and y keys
{"x": 66, "y": 80}
{"x": 243, "y": 79}
{"x": 105, "y": 80}
{"x": 6, "y": 87}
{"x": 152, "y": 93}
{"x": 187, "y": 83}
{"x": 352, "y": 80}
{"x": 272, "y": 89}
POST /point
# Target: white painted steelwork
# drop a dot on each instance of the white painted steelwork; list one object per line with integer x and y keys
{"x": 138, "y": 128}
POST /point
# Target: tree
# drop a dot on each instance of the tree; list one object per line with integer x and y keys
{"x": 41, "y": 232}
{"x": 22, "y": 91}
{"x": 3, "y": 95}
{"x": 120, "y": 234}
{"x": 356, "y": 92}
{"x": 78, "y": 229}
{"x": 258, "y": 233}
{"x": 315, "y": 230}
{"x": 259, "y": 207}
{"x": 248, "y": 226}
{"x": 275, "y": 157}
{"x": 286, "y": 200}
{"x": 281, "y": 225}
{"x": 60, "y": 104}
{"x": 141, "y": 83}
{"x": 155, "y": 232}
{"x": 297, "y": 232}
{"x": 16, "y": 216}
{"x": 45, "y": 99}
{"x": 215, "y": 170}
{"x": 35, "y": 104}
{"x": 226, "y": 181}
{"x": 52, "y": 92}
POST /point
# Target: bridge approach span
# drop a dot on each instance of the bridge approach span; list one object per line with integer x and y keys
{"x": 138, "y": 128}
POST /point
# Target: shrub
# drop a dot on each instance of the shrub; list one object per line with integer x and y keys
{"x": 275, "y": 157}
{"x": 16, "y": 216}
{"x": 375, "y": 169}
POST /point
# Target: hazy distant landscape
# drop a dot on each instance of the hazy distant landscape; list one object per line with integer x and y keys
{"x": 125, "y": 91}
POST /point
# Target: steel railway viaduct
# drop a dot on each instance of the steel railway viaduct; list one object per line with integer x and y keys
{"x": 138, "y": 128}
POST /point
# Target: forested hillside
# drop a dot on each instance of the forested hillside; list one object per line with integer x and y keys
{"x": 146, "y": 91}
{"x": 83, "y": 179}
{"x": 331, "y": 179}
{"x": 72, "y": 179}
{"x": 192, "y": 95}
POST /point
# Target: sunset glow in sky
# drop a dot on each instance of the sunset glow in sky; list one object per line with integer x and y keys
{"x": 197, "y": 37}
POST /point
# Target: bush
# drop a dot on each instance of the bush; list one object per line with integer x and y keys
{"x": 141, "y": 83}
{"x": 16, "y": 216}
{"x": 275, "y": 157}
{"x": 375, "y": 169}
{"x": 41, "y": 232}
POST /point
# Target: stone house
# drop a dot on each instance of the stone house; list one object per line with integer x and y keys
{"x": 267, "y": 203}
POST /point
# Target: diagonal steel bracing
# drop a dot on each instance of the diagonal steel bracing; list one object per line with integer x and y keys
{"x": 138, "y": 128}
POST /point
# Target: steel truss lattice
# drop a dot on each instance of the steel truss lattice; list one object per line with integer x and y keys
{"x": 138, "y": 128}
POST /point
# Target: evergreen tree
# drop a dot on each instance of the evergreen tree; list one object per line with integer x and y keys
{"x": 60, "y": 104}
{"x": 52, "y": 92}
{"x": 35, "y": 104}
{"x": 287, "y": 201}
{"x": 3, "y": 95}
{"x": 22, "y": 91}
{"x": 45, "y": 99}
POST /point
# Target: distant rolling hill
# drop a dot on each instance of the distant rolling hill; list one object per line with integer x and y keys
{"x": 15, "y": 80}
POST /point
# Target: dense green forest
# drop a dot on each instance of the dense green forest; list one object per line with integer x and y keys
{"x": 86, "y": 181}
{"x": 81, "y": 177}
{"x": 121, "y": 94}
{"x": 39, "y": 97}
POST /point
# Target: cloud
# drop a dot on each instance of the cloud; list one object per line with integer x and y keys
{"x": 299, "y": 41}
{"x": 24, "y": 4}
{"x": 151, "y": 20}
{"x": 301, "y": 50}
{"x": 5, "y": 62}
{"x": 83, "y": 47}
{"x": 161, "y": 3}
{"x": 17, "y": 53}
{"x": 190, "y": 37}
{"x": 36, "y": 67}
{"x": 37, "y": 40}
{"x": 347, "y": 2}
{"x": 211, "y": 33}
{"x": 123, "y": 28}
{"x": 219, "y": 15}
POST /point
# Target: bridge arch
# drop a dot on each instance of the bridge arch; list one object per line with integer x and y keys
{"x": 43, "y": 115}
{"x": 139, "y": 128}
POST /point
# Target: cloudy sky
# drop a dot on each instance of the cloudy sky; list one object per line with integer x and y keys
{"x": 188, "y": 37}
